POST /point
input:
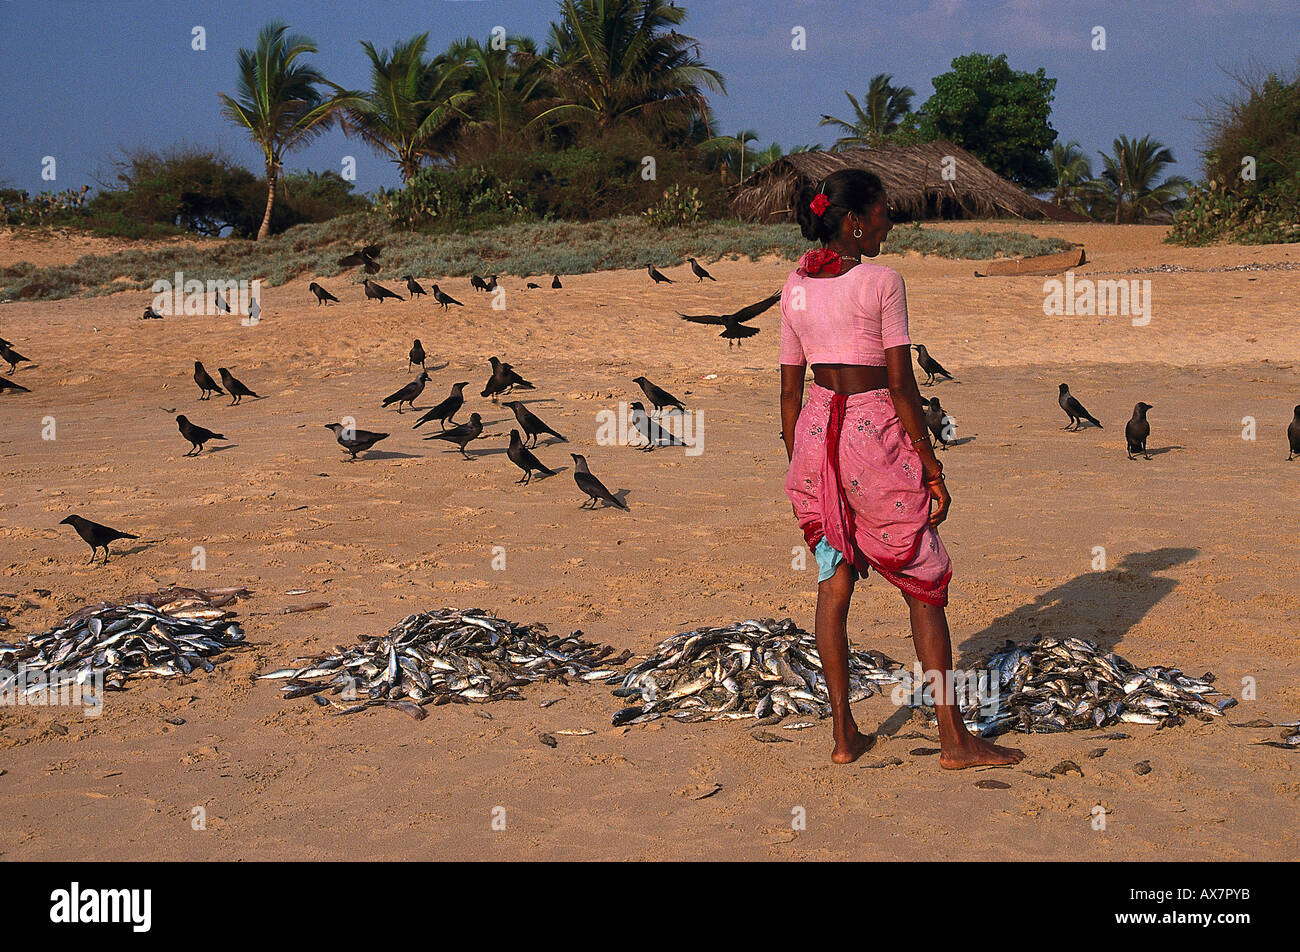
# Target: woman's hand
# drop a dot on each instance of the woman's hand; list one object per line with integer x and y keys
{"x": 940, "y": 502}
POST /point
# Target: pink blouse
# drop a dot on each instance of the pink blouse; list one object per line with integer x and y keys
{"x": 848, "y": 319}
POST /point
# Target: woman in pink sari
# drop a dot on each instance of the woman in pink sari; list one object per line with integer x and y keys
{"x": 864, "y": 481}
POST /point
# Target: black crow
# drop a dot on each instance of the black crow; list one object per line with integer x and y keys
{"x": 321, "y": 294}
{"x": 529, "y": 422}
{"x": 353, "y": 440}
{"x": 525, "y": 460}
{"x": 197, "y": 435}
{"x": 416, "y": 356}
{"x": 95, "y": 535}
{"x": 590, "y": 485}
{"x": 699, "y": 271}
{"x": 462, "y": 435}
{"x": 657, "y": 396}
{"x": 446, "y": 410}
{"x": 1074, "y": 409}
{"x": 443, "y": 298}
{"x": 207, "y": 386}
{"x": 235, "y": 386}
{"x": 408, "y": 394}
{"x": 929, "y": 364}
{"x": 1137, "y": 430}
{"x": 377, "y": 292}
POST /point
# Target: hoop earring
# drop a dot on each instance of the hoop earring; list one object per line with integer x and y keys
{"x": 857, "y": 232}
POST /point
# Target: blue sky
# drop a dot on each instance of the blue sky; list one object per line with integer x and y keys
{"x": 85, "y": 79}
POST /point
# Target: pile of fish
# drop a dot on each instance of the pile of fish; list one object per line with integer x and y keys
{"x": 1061, "y": 684}
{"x": 443, "y": 656}
{"x": 166, "y": 633}
{"x": 762, "y": 669}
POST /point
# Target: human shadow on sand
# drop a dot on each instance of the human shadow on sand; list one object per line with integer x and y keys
{"x": 1101, "y": 606}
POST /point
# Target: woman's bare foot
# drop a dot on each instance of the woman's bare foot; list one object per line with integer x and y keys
{"x": 973, "y": 752}
{"x": 852, "y": 748}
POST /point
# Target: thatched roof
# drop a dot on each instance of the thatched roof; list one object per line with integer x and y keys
{"x": 913, "y": 179}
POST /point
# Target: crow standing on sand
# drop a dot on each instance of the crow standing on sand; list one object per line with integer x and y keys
{"x": 654, "y": 434}
{"x": 1137, "y": 430}
{"x": 95, "y": 535}
{"x": 446, "y": 410}
{"x": 658, "y": 277}
{"x": 521, "y": 457}
{"x": 503, "y": 380}
{"x": 929, "y": 364}
{"x": 555, "y": 281}
{"x": 11, "y": 356}
{"x": 530, "y": 423}
{"x": 353, "y": 440}
{"x": 416, "y": 356}
{"x": 733, "y": 325}
{"x": 222, "y": 306}
{"x": 235, "y": 386}
{"x": 699, "y": 272}
{"x": 413, "y": 286}
{"x": 657, "y": 396}
{"x": 1293, "y": 435}
{"x": 207, "y": 386}
{"x": 365, "y": 256}
{"x": 534, "y": 284}
{"x": 1074, "y": 409}
{"x": 321, "y": 294}
{"x": 377, "y": 292}
{"x": 197, "y": 435}
{"x": 491, "y": 284}
{"x": 150, "y": 315}
{"x": 477, "y": 283}
{"x": 590, "y": 485}
{"x": 408, "y": 394}
{"x": 6, "y": 384}
{"x": 463, "y": 434}
{"x": 443, "y": 298}
{"x": 938, "y": 421}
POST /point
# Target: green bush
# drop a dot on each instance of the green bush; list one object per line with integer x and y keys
{"x": 444, "y": 199}
{"x": 679, "y": 206}
{"x": 1263, "y": 122}
{"x": 47, "y": 208}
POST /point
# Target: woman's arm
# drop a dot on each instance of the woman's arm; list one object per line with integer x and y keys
{"x": 792, "y": 378}
{"x": 907, "y": 403}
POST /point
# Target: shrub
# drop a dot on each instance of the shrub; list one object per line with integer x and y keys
{"x": 1262, "y": 122}
{"x": 679, "y": 206}
{"x": 443, "y": 199}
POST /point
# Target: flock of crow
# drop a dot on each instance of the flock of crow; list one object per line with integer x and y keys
{"x": 505, "y": 379}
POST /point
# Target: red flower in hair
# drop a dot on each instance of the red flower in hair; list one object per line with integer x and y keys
{"x": 819, "y": 204}
{"x": 821, "y": 261}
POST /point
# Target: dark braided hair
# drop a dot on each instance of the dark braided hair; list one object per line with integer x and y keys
{"x": 848, "y": 190}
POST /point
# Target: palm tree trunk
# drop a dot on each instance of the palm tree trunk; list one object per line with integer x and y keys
{"x": 265, "y": 228}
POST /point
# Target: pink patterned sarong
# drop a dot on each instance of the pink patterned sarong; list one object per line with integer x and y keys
{"x": 855, "y": 478}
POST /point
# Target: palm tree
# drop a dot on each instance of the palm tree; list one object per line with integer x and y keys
{"x": 877, "y": 117}
{"x": 1073, "y": 173}
{"x": 280, "y": 102}
{"x": 508, "y": 83}
{"x": 411, "y": 100}
{"x": 621, "y": 60}
{"x": 1127, "y": 180}
{"x": 733, "y": 152}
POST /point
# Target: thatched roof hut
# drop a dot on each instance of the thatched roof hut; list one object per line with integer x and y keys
{"x": 913, "y": 179}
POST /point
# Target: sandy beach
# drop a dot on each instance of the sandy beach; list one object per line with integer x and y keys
{"x": 1199, "y": 545}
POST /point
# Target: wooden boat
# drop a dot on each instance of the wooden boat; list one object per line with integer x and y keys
{"x": 1039, "y": 264}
